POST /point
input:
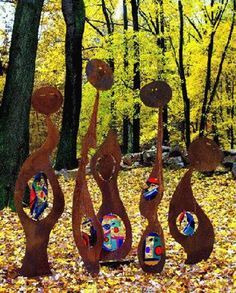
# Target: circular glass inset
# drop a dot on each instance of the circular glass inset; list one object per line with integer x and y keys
{"x": 89, "y": 233}
{"x": 151, "y": 189}
{"x": 187, "y": 223}
{"x": 152, "y": 249}
{"x": 36, "y": 204}
{"x": 114, "y": 232}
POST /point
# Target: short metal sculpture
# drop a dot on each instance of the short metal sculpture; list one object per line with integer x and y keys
{"x": 151, "y": 249}
{"x": 105, "y": 166}
{"x": 101, "y": 77}
{"x": 185, "y": 213}
{"x": 45, "y": 100}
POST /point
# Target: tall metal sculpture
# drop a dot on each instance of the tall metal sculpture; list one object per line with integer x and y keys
{"x": 105, "y": 166}
{"x": 101, "y": 77}
{"x": 46, "y": 100}
{"x": 151, "y": 249}
{"x": 185, "y": 213}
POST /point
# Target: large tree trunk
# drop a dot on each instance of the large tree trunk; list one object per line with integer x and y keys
{"x": 136, "y": 79}
{"x": 15, "y": 108}
{"x": 74, "y": 15}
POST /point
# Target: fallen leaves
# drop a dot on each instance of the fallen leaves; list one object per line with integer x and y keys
{"x": 215, "y": 195}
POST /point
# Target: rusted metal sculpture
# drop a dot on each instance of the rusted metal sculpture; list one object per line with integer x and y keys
{"x": 100, "y": 76}
{"x": 204, "y": 155}
{"x": 105, "y": 166}
{"x": 45, "y": 100}
{"x": 151, "y": 249}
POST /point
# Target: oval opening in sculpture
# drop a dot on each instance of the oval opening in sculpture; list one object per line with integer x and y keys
{"x": 106, "y": 167}
{"x": 88, "y": 231}
{"x": 40, "y": 203}
{"x": 114, "y": 232}
{"x": 153, "y": 249}
{"x": 151, "y": 190}
{"x": 187, "y": 223}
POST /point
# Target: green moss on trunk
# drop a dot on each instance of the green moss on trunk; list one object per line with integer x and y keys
{"x": 14, "y": 111}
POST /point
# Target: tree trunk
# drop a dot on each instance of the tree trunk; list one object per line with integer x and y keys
{"x": 160, "y": 21}
{"x": 15, "y": 108}
{"x": 209, "y": 89}
{"x": 126, "y": 139}
{"x": 207, "y": 86}
{"x": 74, "y": 15}
{"x": 136, "y": 79}
{"x": 183, "y": 78}
{"x": 110, "y": 31}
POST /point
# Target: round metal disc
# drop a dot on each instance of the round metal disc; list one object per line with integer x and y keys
{"x": 204, "y": 154}
{"x": 156, "y": 94}
{"x": 99, "y": 74}
{"x": 47, "y": 100}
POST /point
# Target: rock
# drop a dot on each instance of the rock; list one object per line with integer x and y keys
{"x": 174, "y": 162}
{"x": 149, "y": 157}
{"x": 228, "y": 161}
{"x": 127, "y": 160}
{"x": 136, "y": 164}
{"x": 166, "y": 149}
{"x": 130, "y": 159}
{"x": 234, "y": 170}
{"x": 230, "y": 153}
{"x": 176, "y": 152}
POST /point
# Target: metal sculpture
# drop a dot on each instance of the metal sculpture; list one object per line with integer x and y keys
{"x": 204, "y": 155}
{"x": 105, "y": 166}
{"x": 151, "y": 248}
{"x": 45, "y": 100}
{"x": 100, "y": 76}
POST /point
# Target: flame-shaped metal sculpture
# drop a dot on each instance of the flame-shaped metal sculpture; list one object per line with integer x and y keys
{"x": 204, "y": 155}
{"x": 105, "y": 166}
{"x": 45, "y": 100}
{"x": 101, "y": 77}
{"x": 151, "y": 249}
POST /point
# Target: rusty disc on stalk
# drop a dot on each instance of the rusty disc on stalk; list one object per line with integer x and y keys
{"x": 99, "y": 74}
{"x": 47, "y": 100}
{"x": 156, "y": 94}
{"x": 204, "y": 154}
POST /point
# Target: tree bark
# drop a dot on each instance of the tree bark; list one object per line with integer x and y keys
{"x": 15, "y": 108}
{"x": 210, "y": 91}
{"x": 183, "y": 78}
{"x": 136, "y": 78}
{"x": 160, "y": 21}
{"x": 74, "y": 15}
{"x": 126, "y": 138}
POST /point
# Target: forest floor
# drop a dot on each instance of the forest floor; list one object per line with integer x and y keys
{"x": 216, "y": 195}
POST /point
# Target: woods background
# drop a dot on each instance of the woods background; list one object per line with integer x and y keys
{"x": 189, "y": 44}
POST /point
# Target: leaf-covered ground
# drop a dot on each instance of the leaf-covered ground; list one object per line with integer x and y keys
{"x": 216, "y": 195}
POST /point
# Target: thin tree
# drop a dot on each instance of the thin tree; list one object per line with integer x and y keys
{"x": 156, "y": 26}
{"x": 15, "y": 107}
{"x": 74, "y": 16}
{"x": 127, "y": 127}
{"x": 136, "y": 78}
{"x": 210, "y": 91}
